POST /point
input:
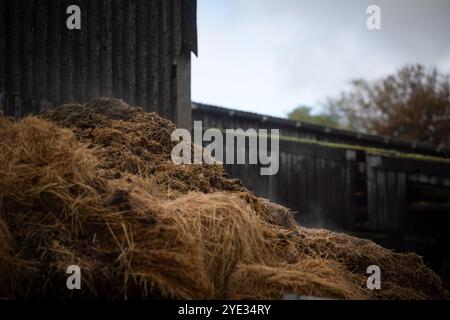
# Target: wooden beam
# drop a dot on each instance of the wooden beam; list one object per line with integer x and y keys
{"x": 182, "y": 91}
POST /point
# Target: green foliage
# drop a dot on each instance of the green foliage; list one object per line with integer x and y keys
{"x": 412, "y": 104}
{"x": 304, "y": 114}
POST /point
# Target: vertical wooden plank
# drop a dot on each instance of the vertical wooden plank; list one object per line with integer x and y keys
{"x": 26, "y": 54}
{"x": 181, "y": 92}
{"x": 27, "y": 51}
{"x": 371, "y": 163}
{"x": 312, "y": 181}
{"x": 393, "y": 204}
{"x": 448, "y": 226}
{"x": 335, "y": 206}
{"x": 402, "y": 204}
{"x": 340, "y": 193}
{"x": 335, "y": 209}
{"x": 181, "y": 72}
{"x": 93, "y": 52}
{"x": 3, "y": 100}
{"x": 297, "y": 178}
{"x": 273, "y": 188}
{"x": 128, "y": 62}
{"x": 301, "y": 182}
{"x": 82, "y": 53}
{"x": 304, "y": 183}
{"x": 13, "y": 67}
{"x": 3, "y": 31}
{"x": 325, "y": 188}
{"x": 165, "y": 67}
{"x": 176, "y": 29}
{"x": 66, "y": 75}
{"x": 105, "y": 75}
{"x": 320, "y": 193}
{"x": 190, "y": 25}
{"x": 141, "y": 54}
{"x": 14, "y": 18}
{"x": 117, "y": 48}
{"x": 54, "y": 27}
{"x": 290, "y": 172}
{"x": 294, "y": 193}
{"x": 153, "y": 58}
{"x": 181, "y": 79}
{"x": 132, "y": 36}
{"x": 332, "y": 208}
{"x": 17, "y": 105}
{"x": 284, "y": 163}
{"x": 307, "y": 189}
{"x": 382, "y": 189}
{"x": 78, "y": 56}
{"x": 350, "y": 189}
{"x": 40, "y": 51}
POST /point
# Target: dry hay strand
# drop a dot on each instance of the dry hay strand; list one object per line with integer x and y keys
{"x": 102, "y": 193}
{"x": 310, "y": 278}
{"x": 128, "y": 140}
{"x": 60, "y": 211}
{"x": 401, "y": 271}
{"x": 226, "y": 230}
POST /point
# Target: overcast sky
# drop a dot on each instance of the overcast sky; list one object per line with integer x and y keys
{"x": 269, "y": 56}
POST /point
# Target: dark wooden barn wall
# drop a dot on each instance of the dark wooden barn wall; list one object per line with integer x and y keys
{"x": 387, "y": 196}
{"x": 137, "y": 50}
{"x": 317, "y": 182}
{"x": 333, "y": 187}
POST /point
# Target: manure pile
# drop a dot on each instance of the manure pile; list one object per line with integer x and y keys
{"x": 93, "y": 185}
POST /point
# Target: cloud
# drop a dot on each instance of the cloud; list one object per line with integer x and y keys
{"x": 269, "y": 56}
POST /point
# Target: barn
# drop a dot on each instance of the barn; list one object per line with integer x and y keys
{"x": 137, "y": 50}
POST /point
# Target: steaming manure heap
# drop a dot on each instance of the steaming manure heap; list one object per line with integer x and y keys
{"x": 93, "y": 185}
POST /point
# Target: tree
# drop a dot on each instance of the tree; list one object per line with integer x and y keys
{"x": 304, "y": 114}
{"x": 413, "y": 104}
